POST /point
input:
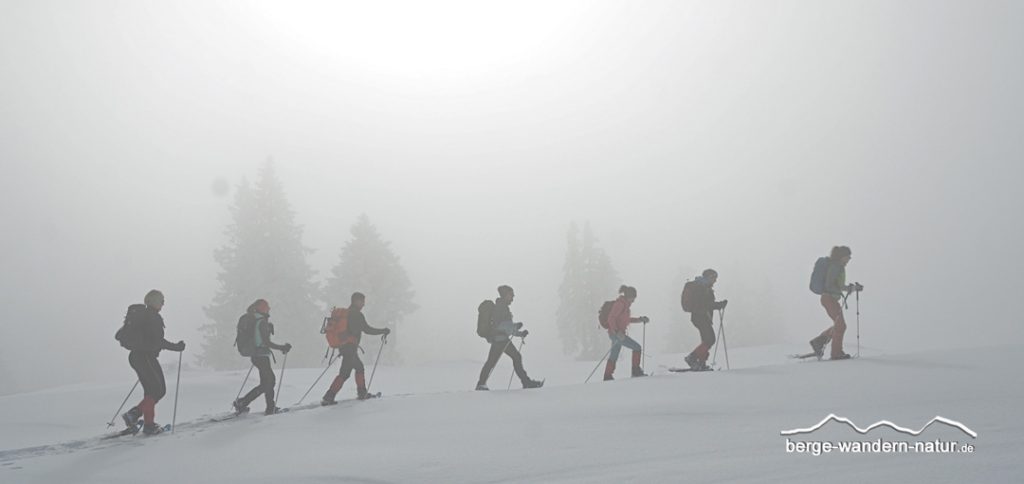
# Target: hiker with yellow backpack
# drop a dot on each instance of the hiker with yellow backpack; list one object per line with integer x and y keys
{"x": 343, "y": 330}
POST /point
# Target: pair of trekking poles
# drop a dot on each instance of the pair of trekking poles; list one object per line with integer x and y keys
{"x": 333, "y": 358}
{"x": 177, "y": 384}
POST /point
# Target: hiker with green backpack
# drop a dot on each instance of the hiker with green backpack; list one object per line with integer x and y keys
{"x": 495, "y": 324}
{"x": 253, "y": 340}
{"x": 828, "y": 279}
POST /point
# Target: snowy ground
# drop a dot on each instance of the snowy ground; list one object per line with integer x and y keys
{"x": 704, "y": 427}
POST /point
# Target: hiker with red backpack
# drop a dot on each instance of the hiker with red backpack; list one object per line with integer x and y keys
{"x": 829, "y": 280}
{"x": 143, "y": 335}
{"x": 344, "y": 330}
{"x": 495, "y": 324}
{"x": 698, "y": 299}
{"x": 253, "y": 340}
{"x": 618, "y": 321}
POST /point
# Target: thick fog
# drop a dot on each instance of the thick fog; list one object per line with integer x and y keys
{"x": 749, "y": 137}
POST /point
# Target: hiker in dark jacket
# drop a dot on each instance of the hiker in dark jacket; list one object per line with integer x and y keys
{"x": 357, "y": 325}
{"x": 143, "y": 359}
{"x": 503, "y": 329}
{"x": 703, "y": 306}
{"x": 260, "y": 311}
{"x": 835, "y": 286}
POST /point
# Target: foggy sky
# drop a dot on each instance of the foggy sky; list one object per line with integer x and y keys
{"x": 745, "y": 136}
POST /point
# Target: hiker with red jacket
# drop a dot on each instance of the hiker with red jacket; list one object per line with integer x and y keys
{"x": 698, "y": 299}
{"x": 145, "y": 343}
{"x": 832, "y": 291}
{"x": 258, "y": 315}
{"x": 619, "y": 320}
{"x": 349, "y": 350}
{"x": 499, "y": 335}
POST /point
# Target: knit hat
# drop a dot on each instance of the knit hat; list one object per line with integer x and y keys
{"x": 154, "y": 298}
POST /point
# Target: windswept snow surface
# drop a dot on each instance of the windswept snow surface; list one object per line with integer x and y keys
{"x": 691, "y": 427}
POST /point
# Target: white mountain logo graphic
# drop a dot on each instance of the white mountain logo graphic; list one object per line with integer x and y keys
{"x": 883, "y": 423}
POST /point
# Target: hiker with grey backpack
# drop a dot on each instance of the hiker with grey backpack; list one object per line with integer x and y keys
{"x": 495, "y": 324}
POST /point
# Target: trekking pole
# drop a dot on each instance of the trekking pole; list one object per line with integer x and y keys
{"x": 329, "y": 364}
{"x": 643, "y": 347}
{"x": 858, "y": 324}
{"x": 383, "y": 341}
{"x": 598, "y": 365}
{"x": 281, "y": 381}
{"x": 126, "y": 397}
{"x": 177, "y": 385}
{"x": 721, "y": 337}
{"x": 244, "y": 382}
{"x": 522, "y": 341}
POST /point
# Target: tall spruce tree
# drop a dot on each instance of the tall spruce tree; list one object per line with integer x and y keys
{"x": 263, "y": 258}
{"x": 589, "y": 279}
{"x": 368, "y": 265}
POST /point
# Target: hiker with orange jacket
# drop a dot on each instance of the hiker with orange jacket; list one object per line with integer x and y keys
{"x": 349, "y": 349}
{"x": 619, "y": 320}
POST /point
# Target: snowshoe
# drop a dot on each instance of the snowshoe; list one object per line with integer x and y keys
{"x": 367, "y": 396}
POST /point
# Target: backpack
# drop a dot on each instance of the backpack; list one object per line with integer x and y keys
{"x": 130, "y": 334}
{"x": 602, "y": 314}
{"x": 686, "y": 299}
{"x": 484, "y": 325}
{"x": 245, "y": 337}
{"x": 818, "y": 275}
{"x": 335, "y": 328}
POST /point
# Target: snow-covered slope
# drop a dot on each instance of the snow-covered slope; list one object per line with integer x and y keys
{"x": 704, "y": 427}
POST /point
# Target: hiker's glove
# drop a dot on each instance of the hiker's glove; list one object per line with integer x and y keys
{"x": 644, "y": 319}
{"x": 518, "y": 326}
{"x": 723, "y": 303}
{"x": 521, "y": 334}
{"x": 286, "y": 348}
{"x": 179, "y": 346}
{"x": 387, "y": 331}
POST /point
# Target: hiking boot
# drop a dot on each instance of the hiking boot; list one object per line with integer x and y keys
{"x": 273, "y": 410}
{"x": 818, "y": 347}
{"x": 693, "y": 362}
{"x": 132, "y": 416}
{"x": 532, "y": 384}
{"x": 841, "y": 356}
{"x": 152, "y": 429}
{"x": 608, "y": 378}
{"x": 638, "y": 372}
{"x": 327, "y": 401}
{"x": 239, "y": 408}
{"x": 480, "y": 387}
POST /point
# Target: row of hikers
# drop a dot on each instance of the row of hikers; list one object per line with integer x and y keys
{"x": 143, "y": 335}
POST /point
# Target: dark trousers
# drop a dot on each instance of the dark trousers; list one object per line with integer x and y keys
{"x": 349, "y": 361}
{"x": 706, "y": 325}
{"x": 151, "y": 376}
{"x": 267, "y": 382}
{"x": 492, "y": 359}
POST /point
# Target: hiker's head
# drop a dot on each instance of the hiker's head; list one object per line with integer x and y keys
{"x": 154, "y": 299}
{"x": 628, "y": 292}
{"x": 841, "y": 254}
{"x": 260, "y": 306}
{"x": 506, "y": 293}
{"x": 710, "y": 276}
{"x": 358, "y": 300}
